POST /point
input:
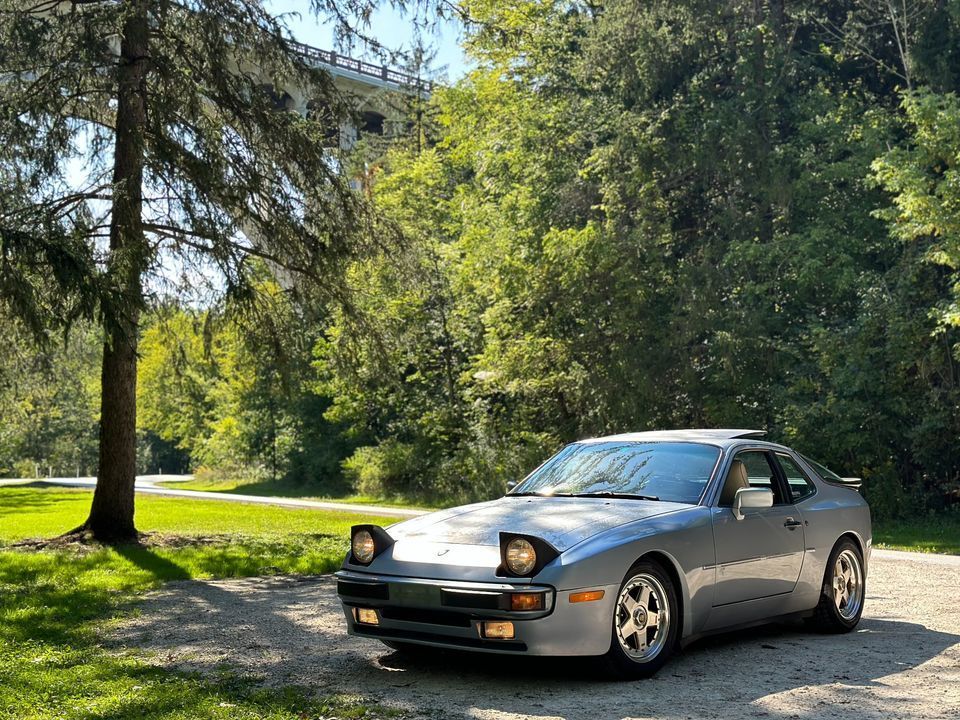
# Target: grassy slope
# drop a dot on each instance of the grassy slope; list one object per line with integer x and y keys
{"x": 53, "y": 602}
{"x": 934, "y": 533}
{"x": 281, "y": 488}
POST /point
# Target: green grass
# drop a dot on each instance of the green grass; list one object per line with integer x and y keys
{"x": 933, "y": 534}
{"x": 282, "y": 488}
{"x": 55, "y": 603}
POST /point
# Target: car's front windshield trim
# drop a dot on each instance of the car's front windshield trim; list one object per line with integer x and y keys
{"x": 561, "y": 489}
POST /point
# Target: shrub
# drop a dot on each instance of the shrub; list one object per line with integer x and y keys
{"x": 24, "y": 469}
{"x": 387, "y": 469}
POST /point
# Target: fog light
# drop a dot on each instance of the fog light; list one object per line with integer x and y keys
{"x": 499, "y": 630}
{"x": 586, "y": 596}
{"x": 366, "y": 616}
{"x": 526, "y": 601}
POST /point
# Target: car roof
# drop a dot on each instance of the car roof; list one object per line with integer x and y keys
{"x": 712, "y": 435}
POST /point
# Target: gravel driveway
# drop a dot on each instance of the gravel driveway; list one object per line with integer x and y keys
{"x": 903, "y": 661}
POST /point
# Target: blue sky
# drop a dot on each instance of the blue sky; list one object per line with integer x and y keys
{"x": 389, "y": 27}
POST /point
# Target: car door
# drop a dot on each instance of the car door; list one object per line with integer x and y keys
{"x": 761, "y": 554}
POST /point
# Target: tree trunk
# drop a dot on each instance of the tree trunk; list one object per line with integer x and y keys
{"x": 111, "y": 515}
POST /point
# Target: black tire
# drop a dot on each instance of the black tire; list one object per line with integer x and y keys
{"x": 830, "y": 616}
{"x": 618, "y": 663}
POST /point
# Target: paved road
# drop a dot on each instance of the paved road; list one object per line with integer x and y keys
{"x": 146, "y": 484}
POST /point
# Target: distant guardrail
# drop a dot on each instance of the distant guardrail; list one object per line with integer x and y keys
{"x": 362, "y": 67}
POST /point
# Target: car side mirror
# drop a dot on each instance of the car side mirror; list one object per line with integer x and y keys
{"x": 751, "y": 498}
{"x": 511, "y": 484}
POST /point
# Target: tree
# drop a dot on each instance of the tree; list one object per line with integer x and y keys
{"x": 48, "y": 401}
{"x": 660, "y": 214}
{"x": 229, "y": 387}
{"x": 139, "y": 151}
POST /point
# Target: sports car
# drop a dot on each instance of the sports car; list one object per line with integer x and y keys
{"x": 626, "y": 547}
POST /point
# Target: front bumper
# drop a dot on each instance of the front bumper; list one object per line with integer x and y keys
{"x": 450, "y": 614}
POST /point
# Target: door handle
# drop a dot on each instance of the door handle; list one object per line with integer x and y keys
{"x": 791, "y": 523}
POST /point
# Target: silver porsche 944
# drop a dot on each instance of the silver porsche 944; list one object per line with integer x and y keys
{"x": 626, "y": 547}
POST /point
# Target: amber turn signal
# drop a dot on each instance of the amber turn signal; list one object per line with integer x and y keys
{"x": 498, "y": 630}
{"x": 526, "y": 601}
{"x": 586, "y": 596}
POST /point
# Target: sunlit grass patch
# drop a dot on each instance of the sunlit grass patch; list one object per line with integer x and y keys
{"x": 938, "y": 533}
{"x": 55, "y": 603}
{"x": 283, "y": 488}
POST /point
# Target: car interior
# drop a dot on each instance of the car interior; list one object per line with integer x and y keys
{"x": 752, "y": 469}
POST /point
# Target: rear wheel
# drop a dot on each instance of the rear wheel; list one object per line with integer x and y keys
{"x": 843, "y": 591}
{"x": 645, "y": 623}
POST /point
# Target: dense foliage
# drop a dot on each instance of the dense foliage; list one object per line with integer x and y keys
{"x": 631, "y": 215}
{"x": 234, "y": 394}
{"x": 649, "y": 215}
{"x": 146, "y": 145}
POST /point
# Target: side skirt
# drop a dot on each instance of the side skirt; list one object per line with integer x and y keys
{"x": 785, "y": 618}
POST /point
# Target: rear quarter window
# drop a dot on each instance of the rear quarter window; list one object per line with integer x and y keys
{"x": 800, "y": 485}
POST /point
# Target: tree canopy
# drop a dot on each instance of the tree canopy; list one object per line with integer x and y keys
{"x": 642, "y": 215}
{"x": 141, "y": 150}
{"x": 628, "y": 215}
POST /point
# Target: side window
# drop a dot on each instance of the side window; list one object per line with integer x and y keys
{"x": 800, "y": 485}
{"x": 759, "y": 474}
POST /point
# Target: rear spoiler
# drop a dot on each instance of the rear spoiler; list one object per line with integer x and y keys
{"x": 851, "y": 482}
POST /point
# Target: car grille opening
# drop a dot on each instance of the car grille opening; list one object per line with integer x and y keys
{"x": 374, "y": 591}
{"x": 433, "y": 617}
{"x": 393, "y": 634}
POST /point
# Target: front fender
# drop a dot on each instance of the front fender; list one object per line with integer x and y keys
{"x": 681, "y": 540}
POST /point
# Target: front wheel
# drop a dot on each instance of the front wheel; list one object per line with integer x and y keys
{"x": 645, "y": 623}
{"x": 843, "y": 591}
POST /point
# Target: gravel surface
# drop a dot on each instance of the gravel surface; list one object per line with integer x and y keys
{"x": 903, "y": 661}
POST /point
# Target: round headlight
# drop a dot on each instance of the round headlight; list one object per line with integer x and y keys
{"x": 363, "y": 547}
{"x": 521, "y": 557}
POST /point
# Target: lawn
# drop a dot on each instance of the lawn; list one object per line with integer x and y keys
{"x": 933, "y": 533}
{"x": 55, "y": 603}
{"x": 283, "y": 488}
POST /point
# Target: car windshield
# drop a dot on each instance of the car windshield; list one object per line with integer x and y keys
{"x": 669, "y": 471}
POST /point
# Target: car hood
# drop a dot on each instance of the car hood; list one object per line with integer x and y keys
{"x": 561, "y": 521}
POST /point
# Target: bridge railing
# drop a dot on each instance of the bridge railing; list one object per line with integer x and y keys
{"x": 361, "y": 67}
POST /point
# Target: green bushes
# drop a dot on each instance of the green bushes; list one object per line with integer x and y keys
{"x": 385, "y": 470}
{"x": 692, "y": 234}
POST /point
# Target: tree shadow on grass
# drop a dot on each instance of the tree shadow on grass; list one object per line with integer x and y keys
{"x": 159, "y": 567}
{"x": 53, "y": 606}
{"x": 21, "y": 498}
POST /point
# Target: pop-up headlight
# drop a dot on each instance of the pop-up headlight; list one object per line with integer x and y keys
{"x": 524, "y": 555}
{"x": 366, "y": 542}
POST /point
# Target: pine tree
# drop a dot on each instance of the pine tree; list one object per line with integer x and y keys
{"x": 144, "y": 147}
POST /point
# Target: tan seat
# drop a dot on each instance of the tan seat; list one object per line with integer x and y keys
{"x": 737, "y": 478}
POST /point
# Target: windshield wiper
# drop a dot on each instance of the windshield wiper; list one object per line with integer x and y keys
{"x": 602, "y": 493}
{"x": 608, "y": 494}
{"x": 550, "y": 494}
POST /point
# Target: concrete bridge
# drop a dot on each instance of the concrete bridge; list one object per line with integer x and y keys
{"x": 379, "y": 95}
